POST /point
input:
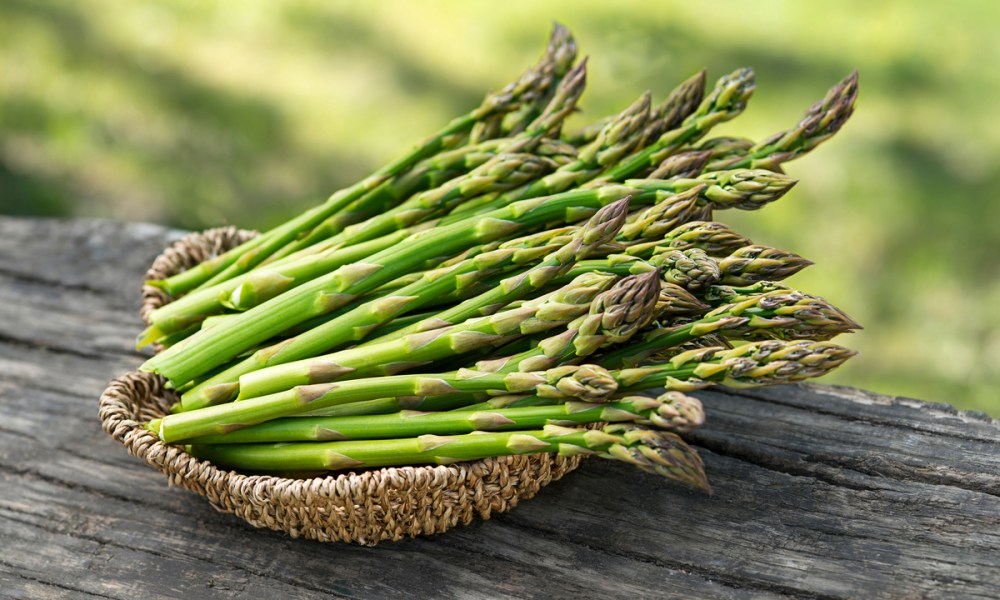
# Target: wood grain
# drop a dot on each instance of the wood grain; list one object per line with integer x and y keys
{"x": 820, "y": 492}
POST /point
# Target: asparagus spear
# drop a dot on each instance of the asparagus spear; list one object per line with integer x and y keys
{"x": 614, "y": 317}
{"x": 786, "y": 314}
{"x": 601, "y": 229}
{"x": 726, "y": 101}
{"x": 588, "y": 382}
{"x": 714, "y": 238}
{"x": 679, "y": 104}
{"x": 357, "y": 323}
{"x": 556, "y": 62}
{"x": 250, "y": 253}
{"x": 428, "y": 174}
{"x": 406, "y": 352}
{"x": 620, "y": 136}
{"x": 673, "y": 413}
{"x": 667, "y": 115}
{"x": 659, "y": 452}
{"x": 210, "y": 348}
{"x": 820, "y": 123}
{"x": 757, "y": 364}
{"x": 754, "y": 263}
{"x": 683, "y": 165}
{"x": 690, "y": 269}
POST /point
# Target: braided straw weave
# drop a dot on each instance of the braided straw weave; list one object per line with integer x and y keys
{"x": 363, "y": 507}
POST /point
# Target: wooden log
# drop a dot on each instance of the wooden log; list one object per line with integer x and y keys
{"x": 820, "y": 491}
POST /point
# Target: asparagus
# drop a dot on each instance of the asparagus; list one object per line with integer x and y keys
{"x": 496, "y": 175}
{"x": 659, "y": 452}
{"x": 416, "y": 349}
{"x": 257, "y": 286}
{"x": 820, "y": 123}
{"x": 246, "y": 255}
{"x": 429, "y": 173}
{"x": 690, "y": 269}
{"x": 556, "y": 62}
{"x": 786, "y": 314}
{"x": 619, "y": 136}
{"x": 757, "y": 364}
{"x": 601, "y": 229}
{"x": 587, "y": 382}
{"x": 726, "y": 101}
{"x": 677, "y": 411}
{"x": 613, "y": 317}
{"x": 679, "y": 104}
{"x": 714, "y": 238}
{"x": 359, "y": 322}
{"x": 667, "y": 115}
{"x": 684, "y": 165}
{"x": 754, "y": 263}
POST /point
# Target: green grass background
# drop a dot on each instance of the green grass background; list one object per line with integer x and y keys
{"x": 193, "y": 113}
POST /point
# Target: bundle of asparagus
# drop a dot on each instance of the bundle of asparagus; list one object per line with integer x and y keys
{"x": 506, "y": 288}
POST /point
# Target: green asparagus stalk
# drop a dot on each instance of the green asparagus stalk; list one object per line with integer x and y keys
{"x": 257, "y": 286}
{"x": 783, "y": 314}
{"x": 682, "y": 166}
{"x": 247, "y": 255}
{"x": 428, "y": 174}
{"x": 620, "y": 136}
{"x": 679, "y": 104}
{"x": 667, "y": 115}
{"x": 613, "y": 318}
{"x": 601, "y": 228}
{"x": 723, "y": 148}
{"x": 726, "y": 101}
{"x": 746, "y": 189}
{"x": 690, "y": 269}
{"x": 641, "y": 410}
{"x": 659, "y": 452}
{"x": 210, "y": 348}
{"x": 757, "y": 364}
{"x": 543, "y": 77}
{"x": 754, "y": 263}
{"x": 355, "y": 324}
{"x": 588, "y": 382}
{"x": 820, "y": 123}
{"x": 657, "y": 221}
{"x": 718, "y": 295}
{"x": 416, "y": 349}
{"x": 715, "y": 239}
{"x": 675, "y": 411}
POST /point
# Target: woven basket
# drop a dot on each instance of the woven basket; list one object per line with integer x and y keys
{"x": 363, "y": 507}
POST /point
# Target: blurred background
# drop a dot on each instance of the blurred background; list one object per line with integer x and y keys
{"x": 194, "y": 114}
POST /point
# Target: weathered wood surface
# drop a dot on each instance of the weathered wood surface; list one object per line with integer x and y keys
{"x": 819, "y": 491}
